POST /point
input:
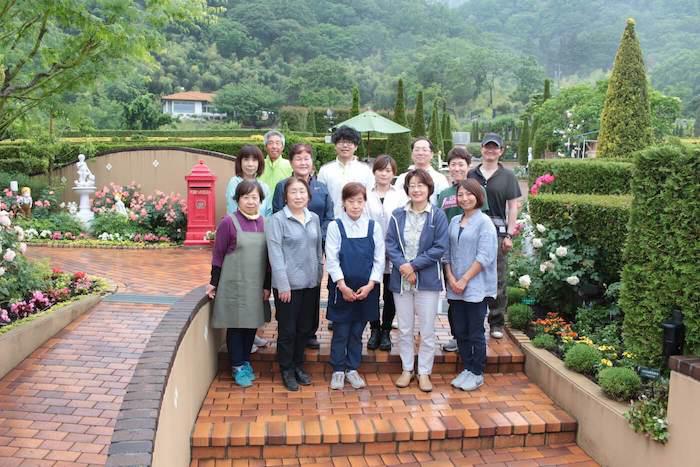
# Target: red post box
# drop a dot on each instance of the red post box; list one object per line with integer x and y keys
{"x": 201, "y": 204}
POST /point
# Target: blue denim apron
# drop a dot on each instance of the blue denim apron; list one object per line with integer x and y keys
{"x": 356, "y": 259}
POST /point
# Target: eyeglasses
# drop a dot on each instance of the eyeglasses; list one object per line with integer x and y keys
{"x": 344, "y": 142}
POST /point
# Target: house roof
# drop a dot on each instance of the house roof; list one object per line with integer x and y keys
{"x": 190, "y": 96}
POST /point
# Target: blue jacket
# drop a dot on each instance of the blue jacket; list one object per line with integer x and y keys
{"x": 321, "y": 203}
{"x": 433, "y": 243}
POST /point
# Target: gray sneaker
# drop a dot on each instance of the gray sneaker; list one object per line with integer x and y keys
{"x": 461, "y": 379}
{"x": 472, "y": 383}
{"x": 451, "y": 346}
{"x": 355, "y": 379}
{"x": 338, "y": 380}
{"x": 497, "y": 333}
{"x": 260, "y": 342}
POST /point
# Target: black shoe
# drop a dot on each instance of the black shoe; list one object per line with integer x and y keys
{"x": 373, "y": 342}
{"x": 289, "y": 380}
{"x": 313, "y": 343}
{"x": 330, "y": 325}
{"x": 385, "y": 343}
{"x": 302, "y": 377}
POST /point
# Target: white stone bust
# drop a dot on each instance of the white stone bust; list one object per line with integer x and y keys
{"x": 85, "y": 176}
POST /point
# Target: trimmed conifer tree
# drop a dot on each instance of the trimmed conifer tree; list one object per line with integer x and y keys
{"x": 547, "y": 91}
{"x": 625, "y": 123}
{"x": 311, "y": 121}
{"x": 418, "y": 128}
{"x": 355, "y": 110}
{"x": 398, "y": 145}
{"x": 446, "y": 128}
{"x": 696, "y": 128}
{"x": 474, "y": 135}
{"x": 435, "y": 131}
{"x": 524, "y": 141}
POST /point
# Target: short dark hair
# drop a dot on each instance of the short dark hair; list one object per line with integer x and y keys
{"x": 247, "y": 186}
{"x": 346, "y": 132}
{"x": 291, "y": 180}
{"x": 459, "y": 152}
{"x": 246, "y": 151}
{"x": 423, "y": 177}
{"x": 383, "y": 161}
{"x": 298, "y": 148}
{"x": 422, "y": 138}
{"x": 473, "y": 187}
{"x": 353, "y": 189}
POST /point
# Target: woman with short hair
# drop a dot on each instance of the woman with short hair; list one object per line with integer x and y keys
{"x": 249, "y": 165}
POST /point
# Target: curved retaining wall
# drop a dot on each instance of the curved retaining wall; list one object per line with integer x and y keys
{"x": 170, "y": 382}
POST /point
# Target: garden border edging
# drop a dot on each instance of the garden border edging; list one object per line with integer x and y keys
{"x": 18, "y": 344}
{"x": 603, "y": 431}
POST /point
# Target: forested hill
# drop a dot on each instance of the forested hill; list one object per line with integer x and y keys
{"x": 313, "y": 51}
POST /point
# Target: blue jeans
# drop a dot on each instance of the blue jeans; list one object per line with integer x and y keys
{"x": 239, "y": 342}
{"x": 468, "y": 319}
{"x": 346, "y": 345}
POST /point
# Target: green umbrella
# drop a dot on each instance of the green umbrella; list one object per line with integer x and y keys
{"x": 369, "y": 121}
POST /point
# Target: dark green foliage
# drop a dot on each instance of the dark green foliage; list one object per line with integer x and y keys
{"x": 475, "y": 132}
{"x": 29, "y": 165}
{"x": 590, "y": 320}
{"x": 56, "y": 222}
{"x": 533, "y": 130}
{"x": 524, "y": 142}
{"x": 596, "y": 220}
{"x": 399, "y": 145}
{"x": 545, "y": 341}
{"x": 37, "y": 185}
{"x": 539, "y": 146}
{"x": 515, "y": 294}
{"x": 355, "y": 109}
{"x": 519, "y": 315}
{"x": 661, "y": 254}
{"x": 233, "y": 132}
{"x": 547, "y": 91}
{"x": 418, "y": 128}
{"x": 112, "y": 223}
{"x": 435, "y": 131}
{"x": 446, "y": 128}
{"x": 621, "y": 384}
{"x": 584, "y": 176}
{"x": 311, "y": 121}
{"x": 625, "y": 124}
{"x": 696, "y": 128}
{"x": 583, "y": 358}
{"x": 144, "y": 113}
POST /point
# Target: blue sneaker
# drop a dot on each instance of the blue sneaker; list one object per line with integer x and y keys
{"x": 242, "y": 377}
{"x": 248, "y": 367}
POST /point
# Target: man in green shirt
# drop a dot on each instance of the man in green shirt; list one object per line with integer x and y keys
{"x": 276, "y": 167}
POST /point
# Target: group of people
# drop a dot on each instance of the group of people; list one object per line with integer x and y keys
{"x": 413, "y": 238}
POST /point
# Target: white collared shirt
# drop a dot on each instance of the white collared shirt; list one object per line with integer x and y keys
{"x": 439, "y": 181}
{"x": 353, "y": 229}
{"x": 335, "y": 175}
{"x": 380, "y": 212}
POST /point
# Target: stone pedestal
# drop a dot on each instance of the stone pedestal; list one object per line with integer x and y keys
{"x": 85, "y": 214}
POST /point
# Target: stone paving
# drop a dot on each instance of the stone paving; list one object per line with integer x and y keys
{"x": 58, "y": 407}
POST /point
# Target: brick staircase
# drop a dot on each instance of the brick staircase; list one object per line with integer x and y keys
{"x": 268, "y": 422}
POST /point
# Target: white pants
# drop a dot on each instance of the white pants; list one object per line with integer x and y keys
{"x": 424, "y": 304}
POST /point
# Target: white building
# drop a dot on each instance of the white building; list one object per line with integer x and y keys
{"x": 191, "y": 104}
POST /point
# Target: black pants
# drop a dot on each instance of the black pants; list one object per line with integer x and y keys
{"x": 239, "y": 341}
{"x": 451, "y": 319}
{"x": 316, "y": 317}
{"x": 295, "y": 325}
{"x": 389, "y": 310}
{"x": 469, "y": 326}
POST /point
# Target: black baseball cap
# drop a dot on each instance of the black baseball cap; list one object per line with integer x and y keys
{"x": 492, "y": 138}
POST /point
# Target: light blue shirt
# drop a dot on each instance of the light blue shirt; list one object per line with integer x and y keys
{"x": 232, "y": 206}
{"x": 478, "y": 242}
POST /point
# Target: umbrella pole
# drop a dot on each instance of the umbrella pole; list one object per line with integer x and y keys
{"x": 367, "y": 150}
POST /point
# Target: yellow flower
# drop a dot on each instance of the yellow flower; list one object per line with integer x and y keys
{"x": 627, "y": 354}
{"x": 606, "y": 362}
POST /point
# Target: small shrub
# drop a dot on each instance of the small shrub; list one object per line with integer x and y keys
{"x": 588, "y": 176}
{"x": 582, "y": 358}
{"x": 545, "y": 341}
{"x": 591, "y": 319}
{"x": 57, "y": 222}
{"x": 111, "y": 222}
{"x": 516, "y": 294}
{"x": 519, "y": 316}
{"x": 648, "y": 413}
{"x": 621, "y": 384}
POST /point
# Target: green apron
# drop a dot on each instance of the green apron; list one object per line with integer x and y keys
{"x": 239, "y": 302}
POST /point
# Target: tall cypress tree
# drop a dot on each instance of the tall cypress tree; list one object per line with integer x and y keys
{"x": 418, "y": 128}
{"x": 547, "y": 92}
{"x": 474, "y": 135}
{"x": 398, "y": 145}
{"x": 355, "y": 110}
{"x": 311, "y": 121}
{"x": 625, "y": 124}
{"x": 435, "y": 131}
{"x": 696, "y": 128}
{"x": 524, "y": 141}
{"x": 446, "y": 129}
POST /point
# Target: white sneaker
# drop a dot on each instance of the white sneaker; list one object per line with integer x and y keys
{"x": 355, "y": 379}
{"x": 260, "y": 342}
{"x": 461, "y": 378}
{"x": 338, "y": 380}
{"x": 497, "y": 333}
{"x": 472, "y": 383}
{"x": 254, "y": 348}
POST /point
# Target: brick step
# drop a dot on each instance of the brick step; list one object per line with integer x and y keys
{"x": 266, "y": 421}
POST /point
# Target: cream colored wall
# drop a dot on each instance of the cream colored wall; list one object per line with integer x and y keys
{"x": 168, "y": 175}
{"x": 193, "y": 371}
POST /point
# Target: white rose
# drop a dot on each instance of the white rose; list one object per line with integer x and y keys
{"x": 561, "y": 251}
{"x": 2, "y": 271}
{"x": 62, "y": 205}
{"x": 543, "y": 267}
{"x": 9, "y": 255}
{"x": 22, "y": 248}
{"x": 525, "y": 281}
{"x": 5, "y": 220}
{"x": 572, "y": 280}
{"x": 552, "y": 256}
{"x": 537, "y": 242}
{"x": 541, "y": 228}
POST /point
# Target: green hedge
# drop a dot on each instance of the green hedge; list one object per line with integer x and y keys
{"x": 662, "y": 252}
{"x": 26, "y": 165}
{"x": 597, "y": 220}
{"x": 173, "y": 133}
{"x": 588, "y": 176}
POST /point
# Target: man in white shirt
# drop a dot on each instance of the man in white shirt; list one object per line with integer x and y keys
{"x": 422, "y": 155}
{"x": 345, "y": 168}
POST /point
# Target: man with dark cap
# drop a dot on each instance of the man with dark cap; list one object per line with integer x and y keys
{"x": 502, "y": 192}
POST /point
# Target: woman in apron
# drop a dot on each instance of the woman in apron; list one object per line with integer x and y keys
{"x": 240, "y": 282}
{"x": 355, "y": 264}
